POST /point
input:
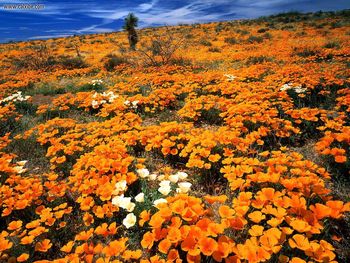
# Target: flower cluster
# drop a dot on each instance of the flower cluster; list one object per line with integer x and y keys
{"x": 297, "y": 89}
{"x": 15, "y": 97}
{"x": 131, "y": 104}
{"x": 96, "y": 82}
{"x": 102, "y": 98}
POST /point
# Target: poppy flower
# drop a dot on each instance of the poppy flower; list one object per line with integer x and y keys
{"x": 164, "y": 246}
{"x": 299, "y": 241}
{"x": 14, "y": 225}
{"x": 23, "y": 257}
{"x": 43, "y": 246}
{"x": 207, "y": 246}
{"x": 129, "y": 220}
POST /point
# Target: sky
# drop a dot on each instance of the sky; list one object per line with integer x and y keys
{"x": 42, "y": 19}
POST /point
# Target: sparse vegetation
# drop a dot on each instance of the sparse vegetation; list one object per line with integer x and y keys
{"x": 111, "y": 61}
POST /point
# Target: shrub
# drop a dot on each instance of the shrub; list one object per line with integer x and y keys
{"x": 72, "y": 62}
{"x": 258, "y": 60}
{"x": 113, "y": 61}
{"x": 39, "y": 57}
{"x": 332, "y": 44}
{"x": 161, "y": 48}
{"x": 219, "y": 27}
{"x": 205, "y": 42}
{"x": 263, "y": 30}
{"x": 267, "y": 35}
{"x": 214, "y": 49}
{"x": 242, "y": 32}
{"x": 180, "y": 61}
{"x": 230, "y": 40}
{"x": 255, "y": 39}
{"x": 305, "y": 52}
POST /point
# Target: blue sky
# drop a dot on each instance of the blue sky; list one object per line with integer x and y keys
{"x": 61, "y": 18}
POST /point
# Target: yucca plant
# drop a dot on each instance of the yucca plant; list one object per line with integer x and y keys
{"x": 130, "y": 23}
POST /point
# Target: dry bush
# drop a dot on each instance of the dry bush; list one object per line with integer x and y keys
{"x": 161, "y": 48}
{"x": 39, "y": 57}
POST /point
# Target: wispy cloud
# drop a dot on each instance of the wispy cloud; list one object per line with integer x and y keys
{"x": 70, "y": 17}
{"x": 49, "y": 36}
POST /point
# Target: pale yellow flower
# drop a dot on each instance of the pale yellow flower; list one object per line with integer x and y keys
{"x": 140, "y": 197}
{"x": 129, "y": 220}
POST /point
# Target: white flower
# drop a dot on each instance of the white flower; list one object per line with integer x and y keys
{"x": 173, "y": 178}
{"x": 95, "y": 95}
{"x": 164, "y": 183}
{"x": 123, "y": 202}
{"x": 130, "y": 207}
{"x": 120, "y": 186}
{"x": 299, "y": 89}
{"x": 19, "y": 169}
{"x": 140, "y": 197}
{"x": 117, "y": 200}
{"x": 94, "y": 104}
{"x": 164, "y": 190}
{"x": 143, "y": 173}
{"x": 183, "y": 188}
{"x": 159, "y": 201}
{"x": 129, "y": 220}
{"x": 127, "y": 102}
{"x": 152, "y": 177}
{"x": 182, "y": 175}
{"x": 22, "y": 163}
{"x": 135, "y": 102}
{"x": 285, "y": 87}
{"x": 161, "y": 177}
{"x": 15, "y": 97}
{"x": 230, "y": 77}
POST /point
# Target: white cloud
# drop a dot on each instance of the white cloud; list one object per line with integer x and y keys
{"x": 147, "y": 6}
{"x": 49, "y": 36}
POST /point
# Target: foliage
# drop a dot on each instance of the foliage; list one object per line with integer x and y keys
{"x": 113, "y": 61}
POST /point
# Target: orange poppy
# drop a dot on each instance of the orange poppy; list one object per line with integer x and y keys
{"x": 299, "y": 241}
{"x": 226, "y": 212}
{"x": 23, "y": 257}
{"x": 256, "y": 230}
{"x": 68, "y": 247}
{"x": 43, "y": 246}
{"x": 14, "y": 225}
{"x": 27, "y": 240}
{"x": 144, "y": 217}
{"x": 164, "y": 246}
{"x": 256, "y": 216}
{"x": 207, "y": 246}
{"x": 148, "y": 240}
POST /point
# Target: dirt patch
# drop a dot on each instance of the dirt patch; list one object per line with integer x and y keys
{"x": 40, "y": 99}
{"x": 309, "y": 152}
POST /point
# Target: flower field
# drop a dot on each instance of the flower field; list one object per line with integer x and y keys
{"x": 237, "y": 149}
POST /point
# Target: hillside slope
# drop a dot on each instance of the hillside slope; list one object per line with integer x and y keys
{"x": 221, "y": 142}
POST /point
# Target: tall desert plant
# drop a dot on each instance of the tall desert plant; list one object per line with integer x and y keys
{"x": 130, "y": 23}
